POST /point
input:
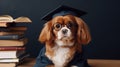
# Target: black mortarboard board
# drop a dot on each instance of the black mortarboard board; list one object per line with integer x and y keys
{"x": 61, "y": 11}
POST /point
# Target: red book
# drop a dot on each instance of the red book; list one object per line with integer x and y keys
{"x": 7, "y": 48}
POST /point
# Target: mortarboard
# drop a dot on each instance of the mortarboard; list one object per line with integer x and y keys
{"x": 61, "y": 11}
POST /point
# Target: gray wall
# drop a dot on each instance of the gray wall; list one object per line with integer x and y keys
{"x": 102, "y": 19}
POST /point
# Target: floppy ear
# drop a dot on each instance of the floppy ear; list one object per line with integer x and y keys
{"x": 83, "y": 33}
{"x": 46, "y": 33}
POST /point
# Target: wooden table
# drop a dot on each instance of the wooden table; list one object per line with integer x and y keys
{"x": 103, "y": 63}
{"x": 92, "y": 62}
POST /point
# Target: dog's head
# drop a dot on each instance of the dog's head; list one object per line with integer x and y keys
{"x": 65, "y": 31}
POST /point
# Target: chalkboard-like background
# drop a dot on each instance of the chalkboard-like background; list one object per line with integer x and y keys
{"x": 103, "y": 19}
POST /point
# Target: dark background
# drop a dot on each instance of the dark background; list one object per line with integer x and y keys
{"x": 103, "y": 19}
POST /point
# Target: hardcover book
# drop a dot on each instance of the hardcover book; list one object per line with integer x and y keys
{"x": 11, "y": 37}
{"x": 16, "y": 60}
{"x": 11, "y": 54}
{"x": 15, "y": 29}
{"x": 18, "y": 28}
{"x": 13, "y": 48}
{"x": 10, "y": 19}
{"x": 20, "y": 42}
{"x": 11, "y": 32}
{"x": 13, "y": 62}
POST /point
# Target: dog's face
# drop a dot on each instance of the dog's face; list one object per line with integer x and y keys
{"x": 63, "y": 27}
{"x": 65, "y": 31}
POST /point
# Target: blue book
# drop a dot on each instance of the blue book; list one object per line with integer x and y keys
{"x": 11, "y": 37}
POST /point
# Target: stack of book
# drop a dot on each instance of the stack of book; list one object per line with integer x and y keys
{"x": 12, "y": 40}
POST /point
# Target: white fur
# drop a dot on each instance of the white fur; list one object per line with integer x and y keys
{"x": 61, "y": 35}
{"x": 61, "y": 43}
{"x": 60, "y": 56}
{"x": 74, "y": 66}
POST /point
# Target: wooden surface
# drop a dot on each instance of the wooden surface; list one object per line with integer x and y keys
{"x": 92, "y": 62}
{"x": 103, "y": 63}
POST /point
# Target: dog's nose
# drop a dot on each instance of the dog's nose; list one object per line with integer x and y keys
{"x": 64, "y": 31}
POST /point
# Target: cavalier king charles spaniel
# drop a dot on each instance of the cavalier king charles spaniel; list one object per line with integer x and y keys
{"x": 63, "y": 37}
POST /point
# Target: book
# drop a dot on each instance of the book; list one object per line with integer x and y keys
{"x": 13, "y": 29}
{"x": 9, "y": 60}
{"x": 16, "y": 60}
{"x": 11, "y": 54}
{"x": 12, "y": 48}
{"x": 2, "y": 33}
{"x": 7, "y": 64}
{"x": 18, "y": 28}
{"x": 10, "y": 19}
{"x": 20, "y": 42}
{"x": 2, "y": 24}
{"x": 14, "y": 64}
{"x": 11, "y": 36}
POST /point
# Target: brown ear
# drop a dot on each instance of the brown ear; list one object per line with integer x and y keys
{"x": 46, "y": 33}
{"x": 83, "y": 33}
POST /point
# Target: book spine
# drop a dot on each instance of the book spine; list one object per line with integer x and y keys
{"x": 4, "y": 29}
{"x": 18, "y": 28}
{"x": 20, "y": 42}
{"x": 13, "y": 28}
{"x": 10, "y": 37}
{"x": 11, "y": 48}
{"x": 9, "y": 33}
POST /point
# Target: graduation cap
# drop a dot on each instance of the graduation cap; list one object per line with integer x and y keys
{"x": 63, "y": 10}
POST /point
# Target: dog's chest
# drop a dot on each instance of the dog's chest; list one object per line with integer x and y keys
{"x": 61, "y": 55}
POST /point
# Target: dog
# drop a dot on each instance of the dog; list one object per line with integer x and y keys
{"x": 63, "y": 37}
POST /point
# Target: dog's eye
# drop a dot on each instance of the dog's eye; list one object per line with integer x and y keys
{"x": 57, "y": 26}
{"x": 69, "y": 25}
